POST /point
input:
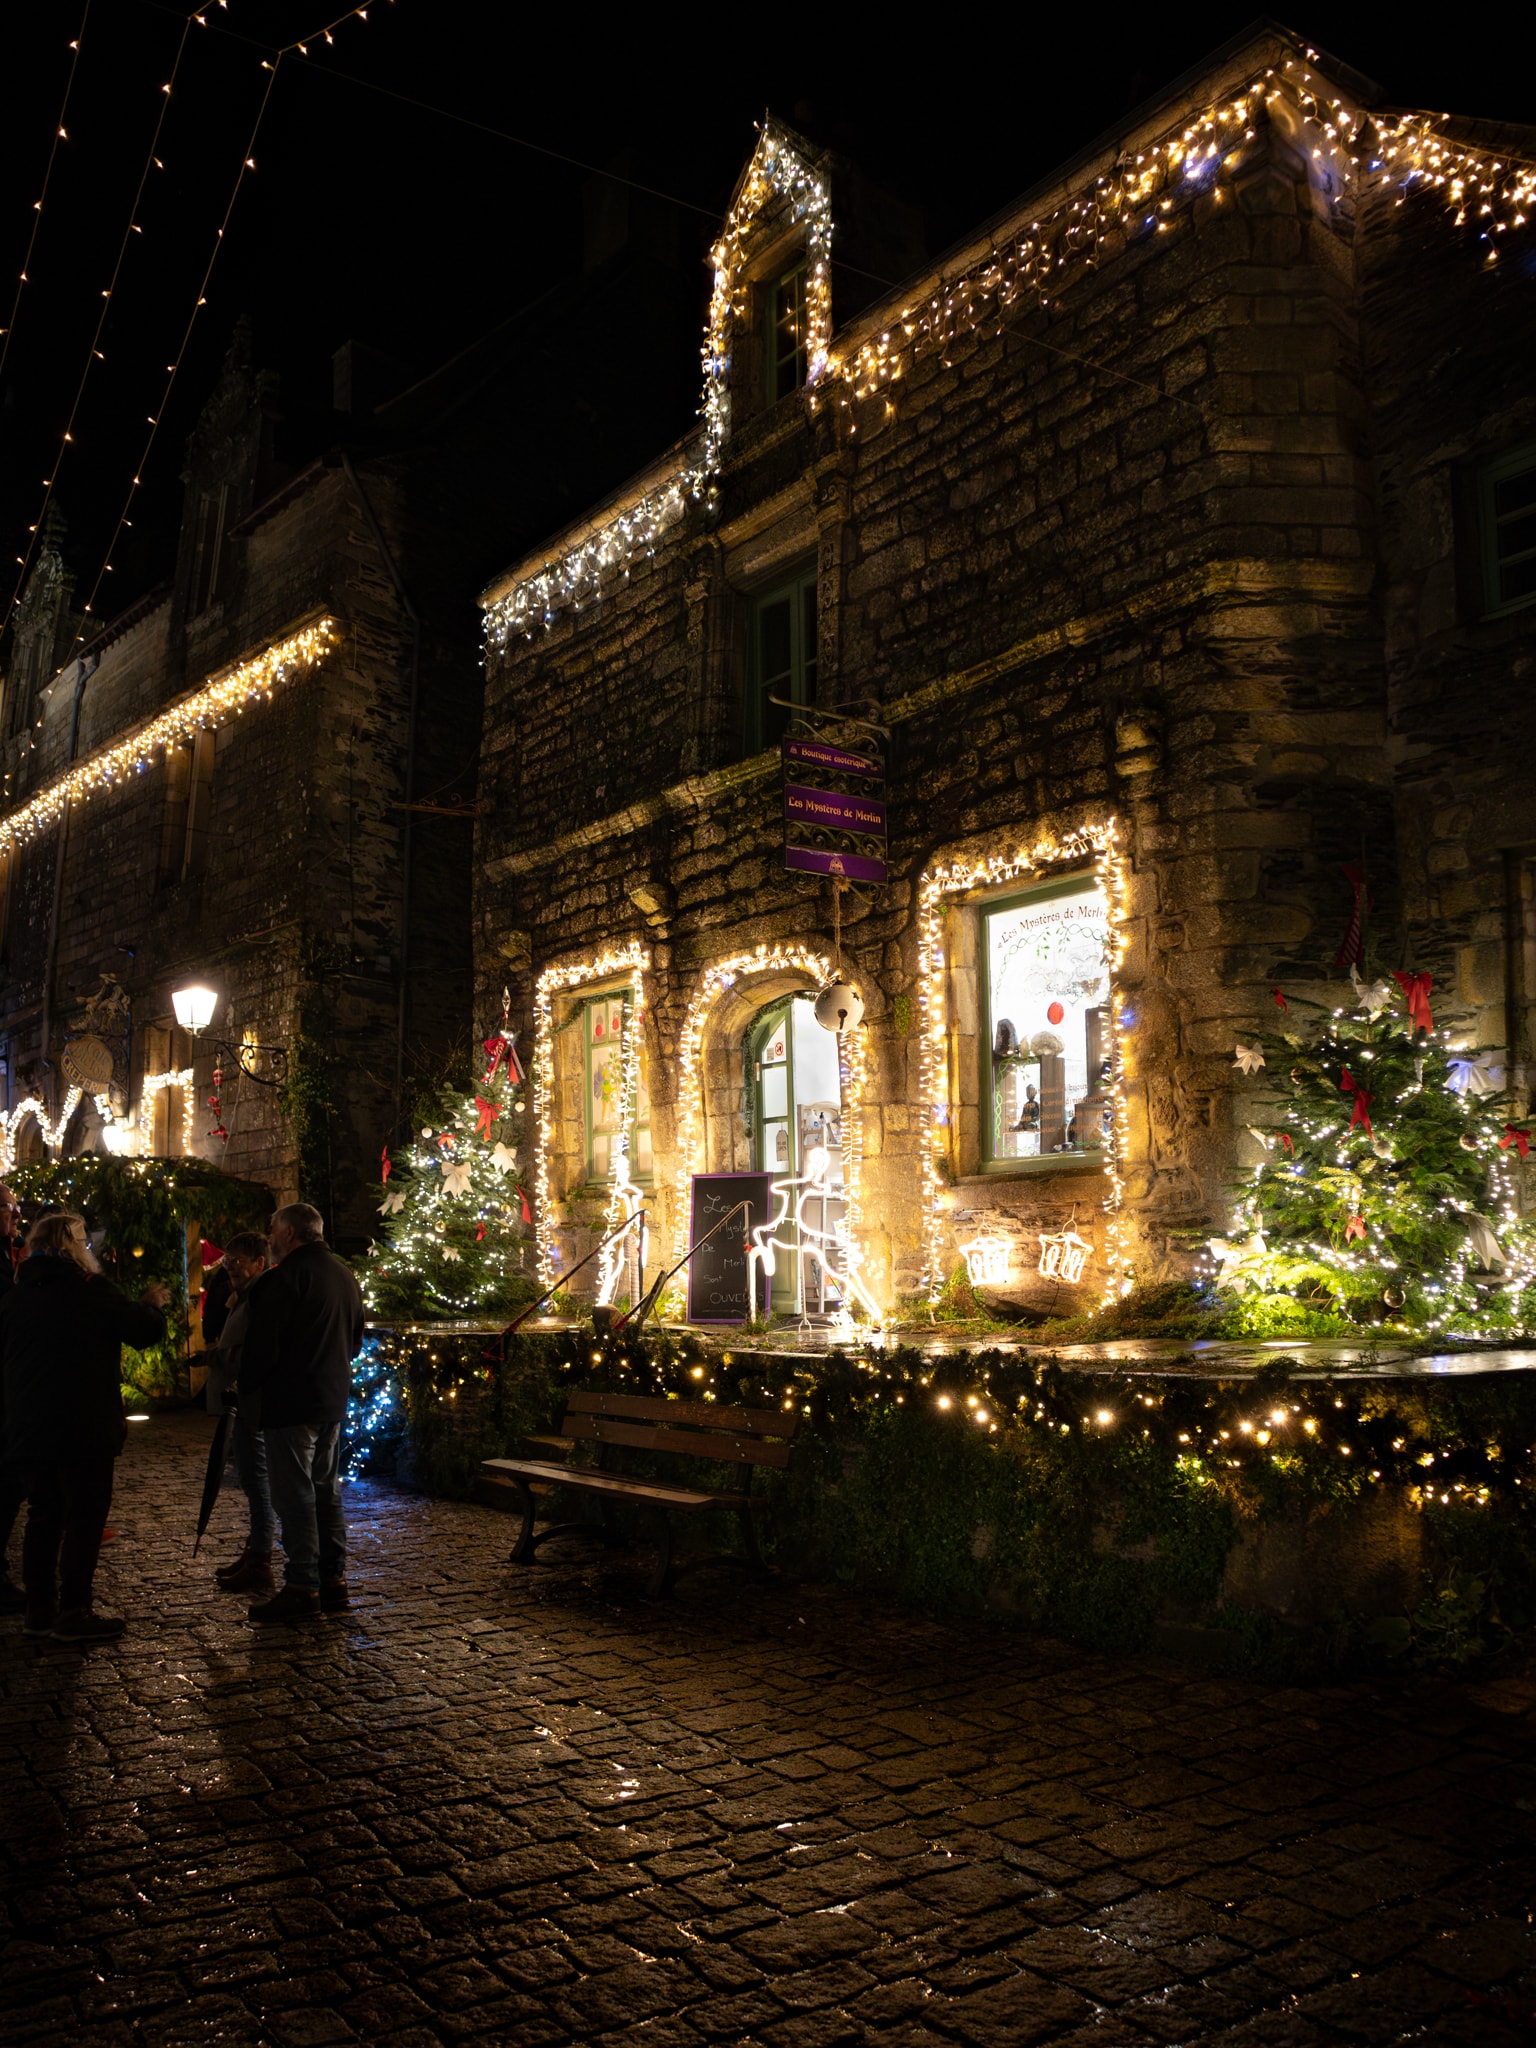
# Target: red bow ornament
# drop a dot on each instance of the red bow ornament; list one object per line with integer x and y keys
{"x": 1512, "y": 1136}
{"x": 1355, "y": 1227}
{"x": 1280, "y": 1002}
{"x": 1288, "y": 1142}
{"x": 385, "y": 1166}
{"x": 1415, "y": 988}
{"x": 1348, "y": 1085}
{"x": 487, "y": 1113}
{"x": 1351, "y": 951}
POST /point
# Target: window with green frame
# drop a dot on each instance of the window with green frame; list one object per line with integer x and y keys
{"x": 784, "y": 307}
{"x": 1045, "y": 1039}
{"x": 1506, "y": 508}
{"x": 781, "y": 658}
{"x": 602, "y": 1032}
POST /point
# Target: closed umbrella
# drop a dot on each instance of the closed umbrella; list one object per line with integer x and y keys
{"x": 213, "y": 1478}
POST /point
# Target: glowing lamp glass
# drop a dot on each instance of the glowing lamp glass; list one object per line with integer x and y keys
{"x": 194, "y": 1007}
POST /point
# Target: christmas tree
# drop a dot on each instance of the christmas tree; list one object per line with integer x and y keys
{"x": 1388, "y": 1192}
{"x": 457, "y": 1234}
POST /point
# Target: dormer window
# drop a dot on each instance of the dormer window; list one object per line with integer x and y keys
{"x": 785, "y": 353}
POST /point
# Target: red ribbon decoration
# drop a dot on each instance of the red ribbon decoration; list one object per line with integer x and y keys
{"x": 1288, "y": 1142}
{"x": 1351, "y": 951}
{"x": 385, "y": 1168}
{"x": 1415, "y": 988}
{"x": 1280, "y": 1002}
{"x": 488, "y": 1113}
{"x": 480, "y": 1234}
{"x": 495, "y": 1046}
{"x": 1512, "y": 1136}
{"x": 1355, "y": 1227}
{"x": 522, "y": 1196}
{"x": 1348, "y": 1085}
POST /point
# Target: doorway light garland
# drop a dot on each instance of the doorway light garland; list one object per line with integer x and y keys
{"x": 632, "y": 961}
{"x": 777, "y": 175}
{"x": 1099, "y": 844}
{"x": 153, "y": 1085}
{"x": 34, "y": 1106}
{"x": 223, "y": 697}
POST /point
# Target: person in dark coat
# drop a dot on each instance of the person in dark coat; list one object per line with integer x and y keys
{"x": 12, "y": 1493}
{"x": 304, "y": 1327}
{"x": 245, "y": 1260}
{"x": 62, "y": 1331}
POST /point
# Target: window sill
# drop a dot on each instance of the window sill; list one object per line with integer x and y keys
{"x": 1050, "y": 1162}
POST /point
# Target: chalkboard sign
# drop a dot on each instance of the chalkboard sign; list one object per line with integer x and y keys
{"x": 717, "y": 1276}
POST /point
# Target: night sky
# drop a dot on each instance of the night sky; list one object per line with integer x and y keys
{"x": 382, "y": 209}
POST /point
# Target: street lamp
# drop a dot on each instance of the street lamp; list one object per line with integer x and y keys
{"x": 194, "y": 1007}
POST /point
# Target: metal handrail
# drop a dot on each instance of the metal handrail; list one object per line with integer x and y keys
{"x": 648, "y": 1300}
{"x": 565, "y": 1278}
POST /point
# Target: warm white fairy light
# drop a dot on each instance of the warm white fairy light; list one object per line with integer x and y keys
{"x": 777, "y": 177}
{"x": 1145, "y": 195}
{"x": 809, "y": 1244}
{"x": 1099, "y": 844}
{"x": 221, "y": 698}
{"x": 52, "y": 1132}
{"x": 151, "y": 1086}
{"x": 632, "y": 960}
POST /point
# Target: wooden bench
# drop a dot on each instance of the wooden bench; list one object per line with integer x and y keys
{"x": 743, "y": 1437}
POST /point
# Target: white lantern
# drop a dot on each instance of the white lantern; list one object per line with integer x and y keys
{"x": 839, "y": 1007}
{"x": 194, "y": 1007}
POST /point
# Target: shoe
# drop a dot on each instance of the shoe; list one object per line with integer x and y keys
{"x": 80, "y": 1625}
{"x": 39, "y": 1621}
{"x": 226, "y": 1572}
{"x": 254, "y": 1576}
{"x": 333, "y": 1598}
{"x": 12, "y": 1598}
{"x": 293, "y": 1603}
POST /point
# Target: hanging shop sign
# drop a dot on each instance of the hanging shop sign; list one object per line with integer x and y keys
{"x": 719, "y": 1280}
{"x": 839, "y": 832}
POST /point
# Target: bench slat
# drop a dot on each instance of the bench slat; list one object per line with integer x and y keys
{"x": 736, "y": 1450}
{"x": 587, "y": 1481}
{"x": 698, "y": 1414}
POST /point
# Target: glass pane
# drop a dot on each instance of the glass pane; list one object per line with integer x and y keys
{"x": 806, "y": 692}
{"x": 774, "y": 655}
{"x": 1517, "y": 536}
{"x": 775, "y": 1095}
{"x": 776, "y": 1048}
{"x": 1517, "y": 579}
{"x": 642, "y": 1152}
{"x": 775, "y": 1149}
{"x": 1514, "y": 493}
{"x": 1048, "y": 995}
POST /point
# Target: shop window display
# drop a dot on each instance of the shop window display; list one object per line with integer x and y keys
{"x": 1047, "y": 1049}
{"x": 603, "y": 1030}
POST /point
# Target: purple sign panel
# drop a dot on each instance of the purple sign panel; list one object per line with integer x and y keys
{"x": 818, "y": 860}
{"x": 814, "y": 754}
{"x": 830, "y": 808}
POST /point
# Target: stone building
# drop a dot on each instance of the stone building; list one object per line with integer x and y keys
{"x": 260, "y": 777}
{"x": 1179, "y": 530}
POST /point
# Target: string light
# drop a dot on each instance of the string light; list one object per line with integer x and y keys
{"x": 225, "y": 696}
{"x": 1145, "y": 196}
{"x": 1099, "y": 844}
{"x": 60, "y": 134}
{"x": 154, "y": 1085}
{"x": 631, "y": 960}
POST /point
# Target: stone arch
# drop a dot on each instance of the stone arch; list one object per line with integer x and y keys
{"x": 29, "y": 1147}
{"x": 722, "y": 1079}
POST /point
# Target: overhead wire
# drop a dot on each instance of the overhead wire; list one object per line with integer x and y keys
{"x": 60, "y": 134}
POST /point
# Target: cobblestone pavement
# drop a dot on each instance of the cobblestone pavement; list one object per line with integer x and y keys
{"x": 526, "y": 1807}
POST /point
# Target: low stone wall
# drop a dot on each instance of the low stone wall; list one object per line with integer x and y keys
{"x": 1128, "y": 1512}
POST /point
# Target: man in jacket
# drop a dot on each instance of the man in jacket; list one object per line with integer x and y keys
{"x": 304, "y": 1327}
{"x": 62, "y": 1331}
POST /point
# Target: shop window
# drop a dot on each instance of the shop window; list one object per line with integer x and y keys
{"x": 603, "y": 1020}
{"x": 785, "y": 341}
{"x": 1046, "y": 1039}
{"x": 796, "y": 1106}
{"x": 781, "y": 659}
{"x": 1506, "y": 509}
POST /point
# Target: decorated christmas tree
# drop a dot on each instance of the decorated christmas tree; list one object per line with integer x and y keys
{"x": 1388, "y": 1192}
{"x": 456, "y": 1227}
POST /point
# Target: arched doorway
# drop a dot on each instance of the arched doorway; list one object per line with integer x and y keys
{"x": 30, "y": 1147}
{"x": 795, "y": 1092}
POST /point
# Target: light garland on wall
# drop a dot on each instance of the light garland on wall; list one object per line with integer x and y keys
{"x": 1144, "y": 195}
{"x": 34, "y": 1106}
{"x": 225, "y": 697}
{"x": 1101, "y": 845}
{"x": 777, "y": 175}
{"x": 151, "y": 1086}
{"x": 633, "y": 959}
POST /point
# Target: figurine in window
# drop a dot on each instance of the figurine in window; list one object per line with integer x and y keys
{"x": 1029, "y": 1115}
{"x": 1005, "y": 1042}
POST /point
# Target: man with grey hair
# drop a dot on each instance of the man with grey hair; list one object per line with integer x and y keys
{"x": 304, "y": 1328}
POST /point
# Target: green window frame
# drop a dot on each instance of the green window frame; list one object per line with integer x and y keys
{"x": 1506, "y": 517}
{"x": 604, "y": 1018}
{"x": 781, "y": 658}
{"x": 784, "y": 340}
{"x": 1066, "y": 1094}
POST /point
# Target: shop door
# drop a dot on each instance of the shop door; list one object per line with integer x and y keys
{"x": 797, "y": 1106}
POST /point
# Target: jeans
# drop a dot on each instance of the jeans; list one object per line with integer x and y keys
{"x": 303, "y": 1472}
{"x": 13, "y": 1491}
{"x": 69, "y": 1499}
{"x": 250, "y": 1455}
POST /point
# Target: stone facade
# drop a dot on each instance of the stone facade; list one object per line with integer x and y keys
{"x": 1179, "y": 547}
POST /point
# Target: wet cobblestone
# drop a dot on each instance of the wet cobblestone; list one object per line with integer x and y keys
{"x": 527, "y": 1807}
